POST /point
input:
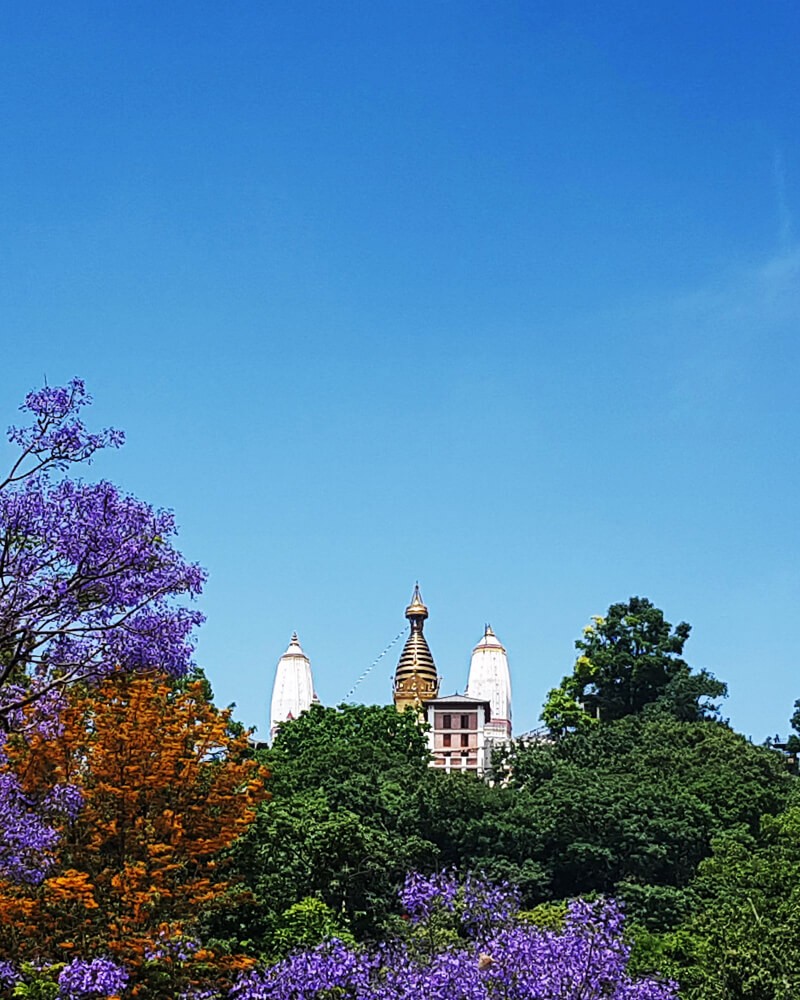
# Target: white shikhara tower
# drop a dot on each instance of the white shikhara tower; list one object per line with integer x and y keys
{"x": 293, "y": 690}
{"x": 490, "y": 680}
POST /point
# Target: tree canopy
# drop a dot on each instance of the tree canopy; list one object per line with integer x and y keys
{"x": 628, "y": 661}
{"x": 631, "y": 807}
{"x": 741, "y": 937}
{"x": 166, "y": 784}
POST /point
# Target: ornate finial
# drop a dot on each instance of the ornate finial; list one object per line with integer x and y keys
{"x": 294, "y": 648}
{"x": 416, "y": 612}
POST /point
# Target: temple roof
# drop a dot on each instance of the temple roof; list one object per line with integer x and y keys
{"x": 461, "y": 699}
{"x": 416, "y": 657}
{"x": 293, "y": 688}
{"x": 489, "y": 641}
{"x": 294, "y": 648}
{"x": 490, "y": 678}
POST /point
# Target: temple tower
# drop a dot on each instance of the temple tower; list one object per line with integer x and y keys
{"x": 490, "y": 679}
{"x": 415, "y": 679}
{"x": 293, "y": 690}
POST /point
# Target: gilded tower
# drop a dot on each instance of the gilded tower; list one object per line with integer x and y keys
{"x": 415, "y": 679}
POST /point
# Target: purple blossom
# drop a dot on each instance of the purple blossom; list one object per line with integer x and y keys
{"x": 99, "y": 978}
{"x": 89, "y": 581}
{"x": 26, "y": 839}
{"x": 57, "y": 438}
{"x": 421, "y": 894}
{"x": 176, "y": 948}
{"x": 487, "y": 905}
{"x": 8, "y": 975}
{"x": 63, "y": 800}
{"x": 587, "y": 960}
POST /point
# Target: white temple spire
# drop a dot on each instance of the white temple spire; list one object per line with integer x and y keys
{"x": 490, "y": 680}
{"x": 293, "y": 690}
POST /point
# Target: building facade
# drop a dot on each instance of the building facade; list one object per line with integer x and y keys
{"x": 457, "y": 738}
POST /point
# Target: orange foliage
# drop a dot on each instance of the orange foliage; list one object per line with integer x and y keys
{"x": 166, "y": 785}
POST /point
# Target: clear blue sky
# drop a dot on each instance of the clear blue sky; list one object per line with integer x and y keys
{"x": 503, "y": 297}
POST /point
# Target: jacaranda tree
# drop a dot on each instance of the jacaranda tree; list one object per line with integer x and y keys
{"x": 465, "y": 942}
{"x": 90, "y": 583}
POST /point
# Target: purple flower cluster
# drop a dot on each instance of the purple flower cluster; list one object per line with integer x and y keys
{"x": 63, "y": 800}
{"x": 497, "y": 958}
{"x": 9, "y": 976}
{"x": 57, "y": 438}
{"x": 487, "y": 906}
{"x": 26, "y": 839}
{"x": 480, "y": 905}
{"x": 422, "y": 895}
{"x": 89, "y": 585}
{"x": 501, "y": 957}
{"x": 176, "y": 948}
{"x": 99, "y": 978}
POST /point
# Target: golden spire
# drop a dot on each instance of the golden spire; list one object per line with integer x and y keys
{"x": 415, "y": 679}
{"x": 416, "y": 612}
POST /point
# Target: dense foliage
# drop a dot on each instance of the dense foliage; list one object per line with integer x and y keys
{"x": 628, "y": 808}
{"x": 336, "y": 829}
{"x": 741, "y": 938}
{"x": 631, "y": 807}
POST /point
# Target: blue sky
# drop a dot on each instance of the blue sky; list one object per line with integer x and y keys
{"x": 503, "y": 297}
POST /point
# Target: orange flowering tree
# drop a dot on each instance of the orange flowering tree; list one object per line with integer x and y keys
{"x": 168, "y": 783}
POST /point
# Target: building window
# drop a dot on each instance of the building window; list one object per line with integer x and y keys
{"x": 465, "y": 722}
{"x": 465, "y": 739}
{"x": 447, "y": 740}
{"x": 447, "y": 722}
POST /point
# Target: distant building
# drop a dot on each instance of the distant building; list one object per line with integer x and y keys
{"x": 293, "y": 689}
{"x": 464, "y": 727}
{"x": 458, "y": 738}
{"x": 490, "y": 679}
{"x": 415, "y": 679}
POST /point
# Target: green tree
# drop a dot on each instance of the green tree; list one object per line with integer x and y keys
{"x": 341, "y": 827}
{"x": 742, "y": 938}
{"x": 630, "y": 807}
{"x": 307, "y": 924}
{"x": 346, "y": 749}
{"x": 628, "y": 661}
{"x": 479, "y": 827}
{"x": 793, "y": 743}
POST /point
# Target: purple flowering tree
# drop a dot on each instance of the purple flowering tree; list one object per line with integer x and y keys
{"x": 90, "y": 582}
{"x": 493, "y": 955}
